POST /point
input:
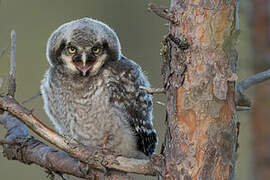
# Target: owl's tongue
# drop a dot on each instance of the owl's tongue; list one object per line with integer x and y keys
{"x": 83, "y": 67}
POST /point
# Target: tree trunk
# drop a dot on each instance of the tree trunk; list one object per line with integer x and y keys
{"x": 261, "y": 114}
{"x": 201, "y": 139}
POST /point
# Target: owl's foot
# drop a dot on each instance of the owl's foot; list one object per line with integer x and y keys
{"x": 105, "y": 141}
{"x": 158, "y": 162}
{"x": 107, "y": 138}
{"x": 51, "y": 174}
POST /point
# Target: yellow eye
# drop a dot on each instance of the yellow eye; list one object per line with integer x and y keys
{"x": 96, "y": 50}
{"x": 72, "y": 50}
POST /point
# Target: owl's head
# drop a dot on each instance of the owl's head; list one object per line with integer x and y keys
{"x": 83, "y": 46}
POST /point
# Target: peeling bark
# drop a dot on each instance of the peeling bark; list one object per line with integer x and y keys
{"x": 201, "y": 139}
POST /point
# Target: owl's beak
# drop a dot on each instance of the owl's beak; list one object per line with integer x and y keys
{"x": 83, "y": 63}
{"x": 83, "y": 66}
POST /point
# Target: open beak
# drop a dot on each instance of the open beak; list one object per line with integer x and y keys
{"x": 83, "y": 65}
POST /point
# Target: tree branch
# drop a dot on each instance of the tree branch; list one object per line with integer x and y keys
{"x": 3, "y": 142}
{"x": 12, "y": 82}
{"x": 254, "y": 79}
{"x": 32, "y": 97}
{"x": 1, "y": 82}
{"x": 161, "y": 12}
{"x": 241, "y": 98}
{"x": 90, "y": 155}
{"x": 153, "y": 90}
{"x": 2, "y": 52}
{"x": 30, "y": 150}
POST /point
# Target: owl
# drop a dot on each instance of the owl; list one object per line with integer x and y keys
{"x": 91, "y": 91}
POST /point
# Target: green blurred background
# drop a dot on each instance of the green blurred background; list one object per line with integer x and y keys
{"x": 140, "y": 33}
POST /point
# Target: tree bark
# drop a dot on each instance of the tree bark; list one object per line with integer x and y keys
{"x": 260, "y": 27}
{"x": 201, "y": 139}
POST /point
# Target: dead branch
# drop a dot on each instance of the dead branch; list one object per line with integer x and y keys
{"x": 241, "y": 98}
{"x": 161, "y": 103}
{"x": 1, "y": 82}
{"x": 3, "y": 141}
{"x": 153, "y": 90}
{"x": 2, "y": 52}
{"x": 32, "y": 97}
{"x": 254, "y": 79}
{"x": 90, "y": 155}
{"x": 242, "y": 108}
{"x": 29, "y": 150}
{"x": 161, "y": 12}
{"x": 12, "y": 82}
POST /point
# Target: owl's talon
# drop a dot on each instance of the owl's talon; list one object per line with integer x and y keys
{"x": 105, "y": 141}
{"x": 50, "y": 175}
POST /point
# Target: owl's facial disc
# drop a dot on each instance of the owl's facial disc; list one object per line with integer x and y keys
{"x": 86, "y": 60}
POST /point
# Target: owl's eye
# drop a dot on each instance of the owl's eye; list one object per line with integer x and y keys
{"x": 96, "y": 50}
{"x": 72, "y": 50}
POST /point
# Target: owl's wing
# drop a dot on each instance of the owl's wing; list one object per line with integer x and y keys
{"x": 137, "y": 104}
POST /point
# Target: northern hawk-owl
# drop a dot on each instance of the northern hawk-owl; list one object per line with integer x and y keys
{"x": 91, "y": 91}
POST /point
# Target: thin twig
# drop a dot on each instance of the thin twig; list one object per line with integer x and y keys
{"x": 161, "y": 12}
{"x": 4, "y": 141}
{"x": 12, "y": 82}
{"x": 1, "y": 82}
{"x": 242, "y": 108}
{"x": 161, "y": 103}
{"x": 254, "y": 79}
{"x": 241, "y": 98}
{"x": 32, "y": 97}
{"x": 2, "y": 52}
{"x": 153, "y": 90}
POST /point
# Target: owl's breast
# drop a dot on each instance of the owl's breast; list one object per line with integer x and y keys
{"x": 80, "y": 108}
{"x": 88, "y": 114}
{"x": 96, "y": 121}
